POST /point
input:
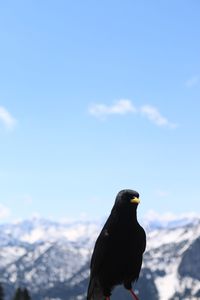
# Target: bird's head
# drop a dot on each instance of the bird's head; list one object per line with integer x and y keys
{"x": 127, "y": 198}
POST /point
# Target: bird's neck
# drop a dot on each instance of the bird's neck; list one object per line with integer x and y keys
{"x": 131, "y": 217}
{"x": 134, "y": 215}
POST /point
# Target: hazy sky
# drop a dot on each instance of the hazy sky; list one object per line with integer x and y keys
{"x": 96, "y": 96}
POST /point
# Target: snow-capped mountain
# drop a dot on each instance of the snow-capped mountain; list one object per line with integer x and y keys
{"x": 52, "y": 259}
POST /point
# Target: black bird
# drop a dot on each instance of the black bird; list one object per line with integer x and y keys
{"x": 117, "y": 255}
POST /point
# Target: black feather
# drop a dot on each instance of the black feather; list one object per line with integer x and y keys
{"x": 117, "y": 255}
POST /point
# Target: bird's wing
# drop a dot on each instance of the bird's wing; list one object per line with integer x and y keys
{"x": 99, "y": 253}
{"x": 142, "y": 247}
{"x": 143, "y": 244}
{"x": 95, "y": 291}
{"x": 102, "y": 243}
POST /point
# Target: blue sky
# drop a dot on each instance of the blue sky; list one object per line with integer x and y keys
{"x": 96, "y": 96}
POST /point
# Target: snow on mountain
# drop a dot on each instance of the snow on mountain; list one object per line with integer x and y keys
{"x": 52, "y": 258}
{"x": 165, "y": 249}
{"x": 37, "y": 230}
{"x": 154, "y": 220}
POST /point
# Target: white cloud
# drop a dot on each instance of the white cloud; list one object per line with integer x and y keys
{"x": 4, "y": 212}
{"x": 153, "y": 114}
{"x": 6, "y": 118}
{"x": 125, "y": 106}
{"x": 120, "y": 107}
{"x": 164, "y": 218}
{"x": 193, "y": 81}
{"x": 152, "y": 215}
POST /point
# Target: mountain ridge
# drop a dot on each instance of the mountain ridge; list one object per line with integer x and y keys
{"x": 52, "y": 259}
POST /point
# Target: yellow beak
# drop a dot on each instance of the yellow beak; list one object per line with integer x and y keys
{"x": 135, "y": 200}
